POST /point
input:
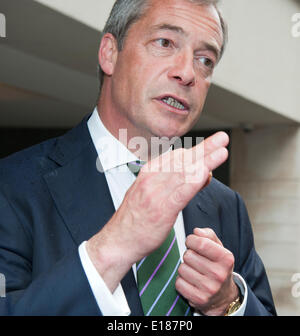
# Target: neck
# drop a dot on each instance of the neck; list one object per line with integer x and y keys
{"x": 141, "y": 142}
{"x": 123, "y": 130}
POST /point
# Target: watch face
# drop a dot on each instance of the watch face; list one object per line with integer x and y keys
{"x": 233, "y": 307}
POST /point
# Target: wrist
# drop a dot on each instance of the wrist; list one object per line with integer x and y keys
{"x": 109, "y": 259}
{"x": 236, "y": 304}
{"x": 223, "y": 307}
{"x": 235, "y": 301}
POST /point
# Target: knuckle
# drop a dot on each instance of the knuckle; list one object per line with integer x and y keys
{"x": 222, "y": 276}
{"x": 212, "y": 289}
{"x": 217, "y": 274}
{"x": 189, "y": 240}
{"x": 207, "y": 288}
{"x": 192, "y": 304}
{"x": 187, "y": 256}
{"x": 204, "y": 299}
{"x": 178, "y": 283}
{"x": 209, "y": 232}
{"x": 199, "y": 298}
{"x": 181, "y": 270}
{"x": 202, "y": 244}
{"x": 229, "y": 260}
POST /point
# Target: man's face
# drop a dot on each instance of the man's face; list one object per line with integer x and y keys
{"x": 162, "y": 75}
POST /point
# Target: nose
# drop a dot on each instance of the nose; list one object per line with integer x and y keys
{"x": 183, "y": 70}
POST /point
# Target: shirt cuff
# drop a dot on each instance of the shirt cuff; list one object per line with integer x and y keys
{"x": 240, "y": 282}
{"x": 110, "y": 304}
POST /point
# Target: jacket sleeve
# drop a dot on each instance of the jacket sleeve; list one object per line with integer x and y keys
{"x": 64, "y": 290}
{"x": 251, "y": 268}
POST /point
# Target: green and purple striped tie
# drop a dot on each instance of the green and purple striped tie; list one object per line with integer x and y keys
{"x": 156, "y": 275}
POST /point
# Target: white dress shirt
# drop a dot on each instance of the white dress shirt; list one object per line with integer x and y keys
{"x": 114, "y": 157}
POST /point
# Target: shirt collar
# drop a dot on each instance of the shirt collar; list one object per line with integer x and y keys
{"x": 111, "y": 152}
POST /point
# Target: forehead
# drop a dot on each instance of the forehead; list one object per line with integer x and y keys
{"x": 194, "y": 19}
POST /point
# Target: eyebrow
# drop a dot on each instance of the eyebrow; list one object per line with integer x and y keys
{"x": 176, "y": 29}
{"x": 166, "y": 26}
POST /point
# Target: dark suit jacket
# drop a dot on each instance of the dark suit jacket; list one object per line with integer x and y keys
{"x": 52, "y": 198}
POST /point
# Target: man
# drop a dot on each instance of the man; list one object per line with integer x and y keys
{"x": 157, "y": 60}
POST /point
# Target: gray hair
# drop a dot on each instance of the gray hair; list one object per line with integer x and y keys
{"x": 126, "y": 12}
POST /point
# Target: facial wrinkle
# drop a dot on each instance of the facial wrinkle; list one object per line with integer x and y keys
{"x": 204, "y": 22}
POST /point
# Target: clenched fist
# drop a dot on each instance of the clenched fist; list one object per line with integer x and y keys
{"x": 206, "y": 275}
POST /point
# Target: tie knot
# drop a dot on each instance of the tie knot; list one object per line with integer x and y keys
{"x": 135, "y": 166}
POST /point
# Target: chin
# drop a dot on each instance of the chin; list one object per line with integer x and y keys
{"x": 169, "y": 133}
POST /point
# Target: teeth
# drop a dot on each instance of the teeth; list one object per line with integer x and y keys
{"x": 173, "y": 102}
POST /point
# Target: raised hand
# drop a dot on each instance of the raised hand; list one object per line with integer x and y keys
{"x": 151, "y": 206}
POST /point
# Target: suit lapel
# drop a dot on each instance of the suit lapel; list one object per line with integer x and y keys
{"x": 79, "y": 190}
{"x": 201, "y": 213}
{"x": 82, "y": 196}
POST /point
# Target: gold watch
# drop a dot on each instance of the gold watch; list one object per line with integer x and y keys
{"x": 233, "y": 307}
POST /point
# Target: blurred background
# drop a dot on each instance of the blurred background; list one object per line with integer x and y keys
{"x": 48, "y": 83}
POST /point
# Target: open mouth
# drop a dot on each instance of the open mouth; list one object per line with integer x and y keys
{"x": 175, "y": 103}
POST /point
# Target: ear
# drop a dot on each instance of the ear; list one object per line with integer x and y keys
{"x": 108, "y": 54}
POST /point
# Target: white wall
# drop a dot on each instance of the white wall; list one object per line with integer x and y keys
{"x": 261, "y": 62}
{"x": 93, "y": 13}
{"x": 265, "y": 170}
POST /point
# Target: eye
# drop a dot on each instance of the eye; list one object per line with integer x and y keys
{"x": 165, "y": 43}
{"x": 207, "y": 62}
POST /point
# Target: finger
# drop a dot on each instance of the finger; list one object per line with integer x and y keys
{"x": 192, "y": 294}
{"x": 212, "y": 143}
{"x": 216, "y": 158}
{"x": 205, "y": 247}
{"x": 198, "y": 170}
{"x": 202, "y": 265}
{"x": 207, "y": 233}
{"x": 191, "y": 276}
{"x": 201, "y": 281}
{"x": 207, "y": 150}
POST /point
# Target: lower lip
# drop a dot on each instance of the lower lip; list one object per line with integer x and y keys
{"x": 173, "y": 109}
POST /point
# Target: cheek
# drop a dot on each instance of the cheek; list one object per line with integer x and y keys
{"x": 133, "y": 72}
{"x": 203, "y": 86}
{"x": 204, "y": 83}
{"x": 124, "y": 79}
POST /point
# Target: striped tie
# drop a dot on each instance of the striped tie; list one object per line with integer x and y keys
{"x": 156, "y": 275}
